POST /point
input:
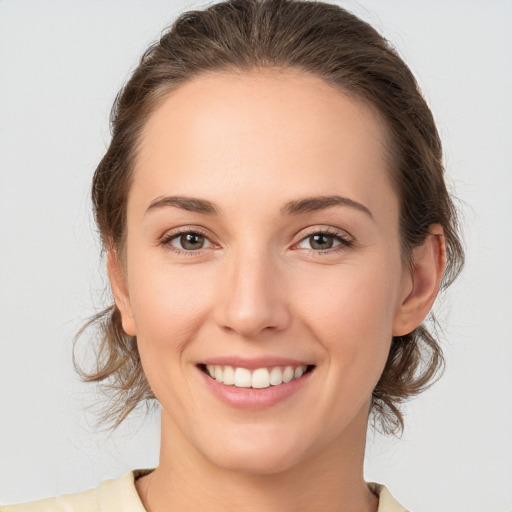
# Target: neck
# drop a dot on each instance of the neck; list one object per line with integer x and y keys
{"x": 331, "y": 481}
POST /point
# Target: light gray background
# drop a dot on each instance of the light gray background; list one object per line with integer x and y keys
{"x": 61, "y": 63}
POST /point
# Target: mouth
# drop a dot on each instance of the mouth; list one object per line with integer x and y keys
{"x": 257, "y": 378}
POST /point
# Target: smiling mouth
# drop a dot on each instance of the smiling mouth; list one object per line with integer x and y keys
{"x": 259, "y": 378}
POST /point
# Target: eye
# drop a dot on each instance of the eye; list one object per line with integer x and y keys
{"x": 187, "y": 241}
{"x": 324, "y": 241}
{"x": 320, "y": 241}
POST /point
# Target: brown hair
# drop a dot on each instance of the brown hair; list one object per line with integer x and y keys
{"x": 333, "y": 44}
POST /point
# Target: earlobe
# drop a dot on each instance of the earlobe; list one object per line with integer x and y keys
{"x": 428, "y": 265}
{"x": 117, "y": 280}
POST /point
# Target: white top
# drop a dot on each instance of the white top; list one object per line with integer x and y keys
{"x": 120, "y": 495}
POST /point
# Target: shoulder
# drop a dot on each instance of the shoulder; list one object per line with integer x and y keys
{"x": 110, "y": 495}
{"x": 386, "y": 501}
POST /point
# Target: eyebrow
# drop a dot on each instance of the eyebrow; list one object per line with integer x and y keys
{"x": 295, "y": 207}
{"x": 316, "y": 203}
{"x": 191, "y": 204}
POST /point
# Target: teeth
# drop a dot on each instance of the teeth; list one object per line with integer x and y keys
{"x": 288, "y": 374}
{"x": 276, "y": 376}
{"x": 242, "y": 378}
{"x": 228, "y": 377}
{"x": 258, "y": 379}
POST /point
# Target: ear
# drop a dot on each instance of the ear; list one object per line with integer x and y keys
{"x": 420, "y": 292}
{"x": 117, "y": 278}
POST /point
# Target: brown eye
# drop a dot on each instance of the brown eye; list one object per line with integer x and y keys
{"x": 324, "y": 242}
{"x": 189, "y": 241}
{"x": 321, "y": 241}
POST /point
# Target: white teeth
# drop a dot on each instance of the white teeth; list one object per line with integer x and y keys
{"x": 258, "y": 379}
{"x": 288, "y": 374}
{"x": 228, "y": 376}
{"x": 276, "y": 376}
{"x": 242, "y": 378}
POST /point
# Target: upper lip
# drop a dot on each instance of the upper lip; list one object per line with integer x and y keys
{"x": 253, "y": 363}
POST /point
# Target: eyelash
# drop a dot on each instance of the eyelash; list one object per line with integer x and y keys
{"x": 169, "y": 237}
{"x": 345, "y": 241}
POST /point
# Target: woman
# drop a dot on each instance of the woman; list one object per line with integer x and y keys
{"x": 277, "y": 227}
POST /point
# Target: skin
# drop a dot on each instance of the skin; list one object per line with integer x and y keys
{"x": 250, "y": 143}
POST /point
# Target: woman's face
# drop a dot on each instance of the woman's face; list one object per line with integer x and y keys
{"x": 262, "y": 242}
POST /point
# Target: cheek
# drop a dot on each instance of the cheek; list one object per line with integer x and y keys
{"x": 350, "y": 310}
{"x": 169, "y": 305}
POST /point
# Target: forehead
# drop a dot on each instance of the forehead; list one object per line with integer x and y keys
{"x": 281, "y": 130}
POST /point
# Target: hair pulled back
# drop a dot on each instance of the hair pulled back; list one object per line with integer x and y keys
{"x": 336, "y": 46}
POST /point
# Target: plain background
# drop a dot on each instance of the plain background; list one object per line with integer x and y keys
{"x": 61, "y": 64}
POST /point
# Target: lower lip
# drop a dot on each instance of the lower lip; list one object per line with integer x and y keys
{"x": 250, "y": 398}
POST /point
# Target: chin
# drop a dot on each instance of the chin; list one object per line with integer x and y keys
{"x": 258, "y": 451}
{"x": 254, "y": 462}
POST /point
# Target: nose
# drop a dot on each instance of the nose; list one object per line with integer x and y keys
{"x": 252, "y": 297}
